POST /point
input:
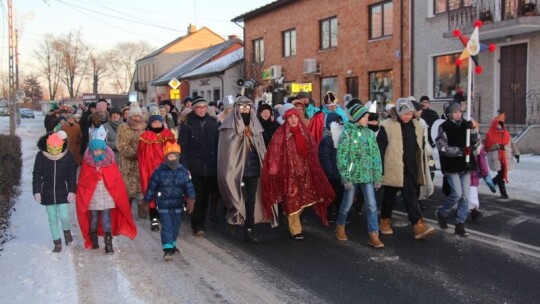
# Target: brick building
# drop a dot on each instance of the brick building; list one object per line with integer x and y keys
{"x": 357, "y": 47}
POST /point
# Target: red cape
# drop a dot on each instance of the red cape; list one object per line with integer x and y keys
{"x": 121, "y": 217}
{"x": 316, "y": 127}
{"x": 150, "y": 155}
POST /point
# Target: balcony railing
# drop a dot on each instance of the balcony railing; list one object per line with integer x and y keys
{"x": 491, "y": 11}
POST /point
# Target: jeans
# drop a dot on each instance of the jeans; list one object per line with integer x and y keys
{"x": 105, "y": 220}
{"x": 370, "y": 201}
{"x": 459, "y": 194}
{"x": 54, "y": 212}
{"x": 170, "y": 226}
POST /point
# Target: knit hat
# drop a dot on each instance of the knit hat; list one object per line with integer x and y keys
{"x": 97, "y": 144}
{"x": 199, "y": 101}
{"x": 115, "y": 110}
{"x": 135, "y": 111}
{"x": 330, "y": 118}
{"x": 330, "y": 98}
{"x": 302, "y": 95}
{"x": 55, "y": 144}
{"x": 155, "y": 115}
{"x": 356, "y": 112}
{"x": 353, "y": 102}
{"x": 404, "y": 106}
{"x": 263, "y": 107}
{"x": 187, "y": 99}
{"x": 454, "y": 106}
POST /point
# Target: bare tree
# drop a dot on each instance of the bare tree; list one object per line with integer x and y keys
{"x": 48, "y": 56}
{"x": 121, "y": 63}
{"x": 99, "y": 68}
{"x": 74, "y": 61}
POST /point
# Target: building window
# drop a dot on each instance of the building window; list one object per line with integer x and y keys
{"x": 381, "y": 86}
{"x": 194, "y": 94}
{"x": 217, "y": 94}
{"x": 328, "y": 31}
{"x": 258, "y": 50}
{"x": 443, "y": 6}
{"x": 352, "y": 86}
{"x": 448, "y": 77}
{"x": 289, "y": 43}
{"x": 329, "y": 84}
{"x": 381, "y": 19}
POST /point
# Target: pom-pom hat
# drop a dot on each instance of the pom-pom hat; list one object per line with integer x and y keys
{"x": 356, "y": 112}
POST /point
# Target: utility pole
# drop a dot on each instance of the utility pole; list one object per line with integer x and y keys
{"x": 11, "y": 92}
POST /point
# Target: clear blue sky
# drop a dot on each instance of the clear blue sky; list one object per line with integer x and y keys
{"x": 106, "y": 22}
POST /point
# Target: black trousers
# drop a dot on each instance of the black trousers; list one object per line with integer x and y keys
{"x": 410, "y": 198}
{"x": 249, "y": 192}
{"x": 204, "y": 185}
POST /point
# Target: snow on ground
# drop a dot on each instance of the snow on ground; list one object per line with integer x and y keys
{"x": 136, "y": 273}
{"x": 204, "y": 273}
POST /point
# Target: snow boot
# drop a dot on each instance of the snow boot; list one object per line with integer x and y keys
{"x": 502, "y": 189}
{"x": 475, "y": 214}
{"x": 441, "y": 220}
{"x": 421, "y": 230}
{"x": 108, "y": 243}
{"x": 154, "y": 224}
{"x": 94, "y": 239}
{"x": 168, "y": 255}
{"x": 385, "y": 226}
{"x": 460, "y": 230}
{"x": 57, "y": 245}
{"x": 67, "y": 237}
{"x": 250, "y": 238}
{"x": 340, "y": 232}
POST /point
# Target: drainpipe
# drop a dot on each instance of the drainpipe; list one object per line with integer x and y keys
{"x": 222, "y": 85}
{"x": 411, "y": 47}
{"x": 401, "y": 49}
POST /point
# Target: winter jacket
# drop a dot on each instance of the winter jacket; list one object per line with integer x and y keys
{"x": 328, "y": 157}
{"x": 358, "y": 158}
{"x": 451, "y": 145}
{"x": 112, "y": 130}
{"x": 127, "y": 141}
{"x": 74, "y": 140}
{"x": 53, "y": 179}
{"x": 198, "y": 138}
{"x": 168, "y": 187}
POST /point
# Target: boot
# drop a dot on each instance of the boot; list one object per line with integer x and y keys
{"x": 385, "y": 226}
{"x": 168, "y": 255}
{"x": 502, "y": 189}
{"x": 108, "y": 243}
{"x": 154, "y": 224}
{"x": 67, "y": 237}
{"x": 340, "y": 233}
{"x": 57, "y": 245}
{"x": 441, "y": 220}
{"x": 421, "y": 230}
{"x": 374, "y": 240}
{"x": 475, "y": 214}
{"x": 94, "y": 239}
{"x": 460, "y": 230}
{"x": 142, "y": 210}
{"x": 250, "y": 238}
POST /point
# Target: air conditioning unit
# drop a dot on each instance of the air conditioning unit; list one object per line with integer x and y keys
{"x": 311, "y": 66}
{"x": 275, "y": 71}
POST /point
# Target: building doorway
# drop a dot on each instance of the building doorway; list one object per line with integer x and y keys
{"x": 513, "y": 85}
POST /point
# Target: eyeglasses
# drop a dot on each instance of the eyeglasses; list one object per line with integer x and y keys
{"x": 242, "y": 107}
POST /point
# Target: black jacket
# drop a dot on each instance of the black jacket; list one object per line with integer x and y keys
{"x": 328, "y": 158}
{"x": 451, "y": 145}
{"x": 54, "y": 179}
{"x": 198, "y": 138}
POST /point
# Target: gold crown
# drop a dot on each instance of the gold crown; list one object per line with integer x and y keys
{"x": 171, "y": 148}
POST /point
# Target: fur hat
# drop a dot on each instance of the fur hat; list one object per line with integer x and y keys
{"x": 199, "y": 101}
{"x": 404, "y": 106}
{"x": 454, "y": 106}
{"x": 356, "y": 112}
{"x": 135, "y": 111}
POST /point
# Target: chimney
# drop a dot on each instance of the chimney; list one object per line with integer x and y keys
{"x": 191, "y": 29}
{"x": 233, "y": 37}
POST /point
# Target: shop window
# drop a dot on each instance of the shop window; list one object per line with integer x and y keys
{"x": 447, "y": 76}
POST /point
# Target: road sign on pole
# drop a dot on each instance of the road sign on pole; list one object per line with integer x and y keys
{"x": 174, "y": 83}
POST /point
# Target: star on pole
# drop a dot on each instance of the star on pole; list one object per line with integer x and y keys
{"x": 473, "y": 46}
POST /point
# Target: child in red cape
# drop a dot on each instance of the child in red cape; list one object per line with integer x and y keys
{"x": 101, "y": 191}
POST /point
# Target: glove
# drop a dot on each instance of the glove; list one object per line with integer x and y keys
{"x": 467, "y": 151}
{"x": 470, "y": 124}
{"x": 37, "y": 197}
{"x": 348, "y": 186}
{"x": 517, "y": 157}
{"x": 190, "y": 205}
{"x": 71, "y": 197}
{"x": 377, "y": 185}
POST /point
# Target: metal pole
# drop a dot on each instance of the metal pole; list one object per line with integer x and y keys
{"x": 468, "y": 116}
{"x": 11, "y": 95}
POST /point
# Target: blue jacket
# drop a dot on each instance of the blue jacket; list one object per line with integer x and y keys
{"x": 168, "y": 187}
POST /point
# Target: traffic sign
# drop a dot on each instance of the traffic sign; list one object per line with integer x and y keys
{"x": 174, "y": 83}
{"x": 174, "y": 94}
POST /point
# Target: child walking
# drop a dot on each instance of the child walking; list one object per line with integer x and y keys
{"x": 169, "y": 185}
{"x": 360, "y": 166}
{"x": 102, "y": 192}
{"x": 54, "y": 183}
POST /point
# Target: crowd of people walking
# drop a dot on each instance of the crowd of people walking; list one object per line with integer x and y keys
{"x": 265, "y": 163}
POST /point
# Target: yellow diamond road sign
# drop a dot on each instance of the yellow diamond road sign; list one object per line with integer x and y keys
{"x": 174, "y": 83}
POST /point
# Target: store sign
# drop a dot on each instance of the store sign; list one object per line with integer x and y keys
{"x": 301, "y": 87}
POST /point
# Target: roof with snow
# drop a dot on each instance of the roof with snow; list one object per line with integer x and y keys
{"x": 218, "y": 65}
{"x": 262, "y": 10}
{"x": 194, "y": 62}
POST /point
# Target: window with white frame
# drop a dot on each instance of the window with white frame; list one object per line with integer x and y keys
{"x": 443, "y": 6}
{"x": 328, "y": 33}
{"x": 258, "y": 50}
{"x": 448, "y": 77}
{"x": 289, "y": 43}
{"x": 381, "y": 19}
